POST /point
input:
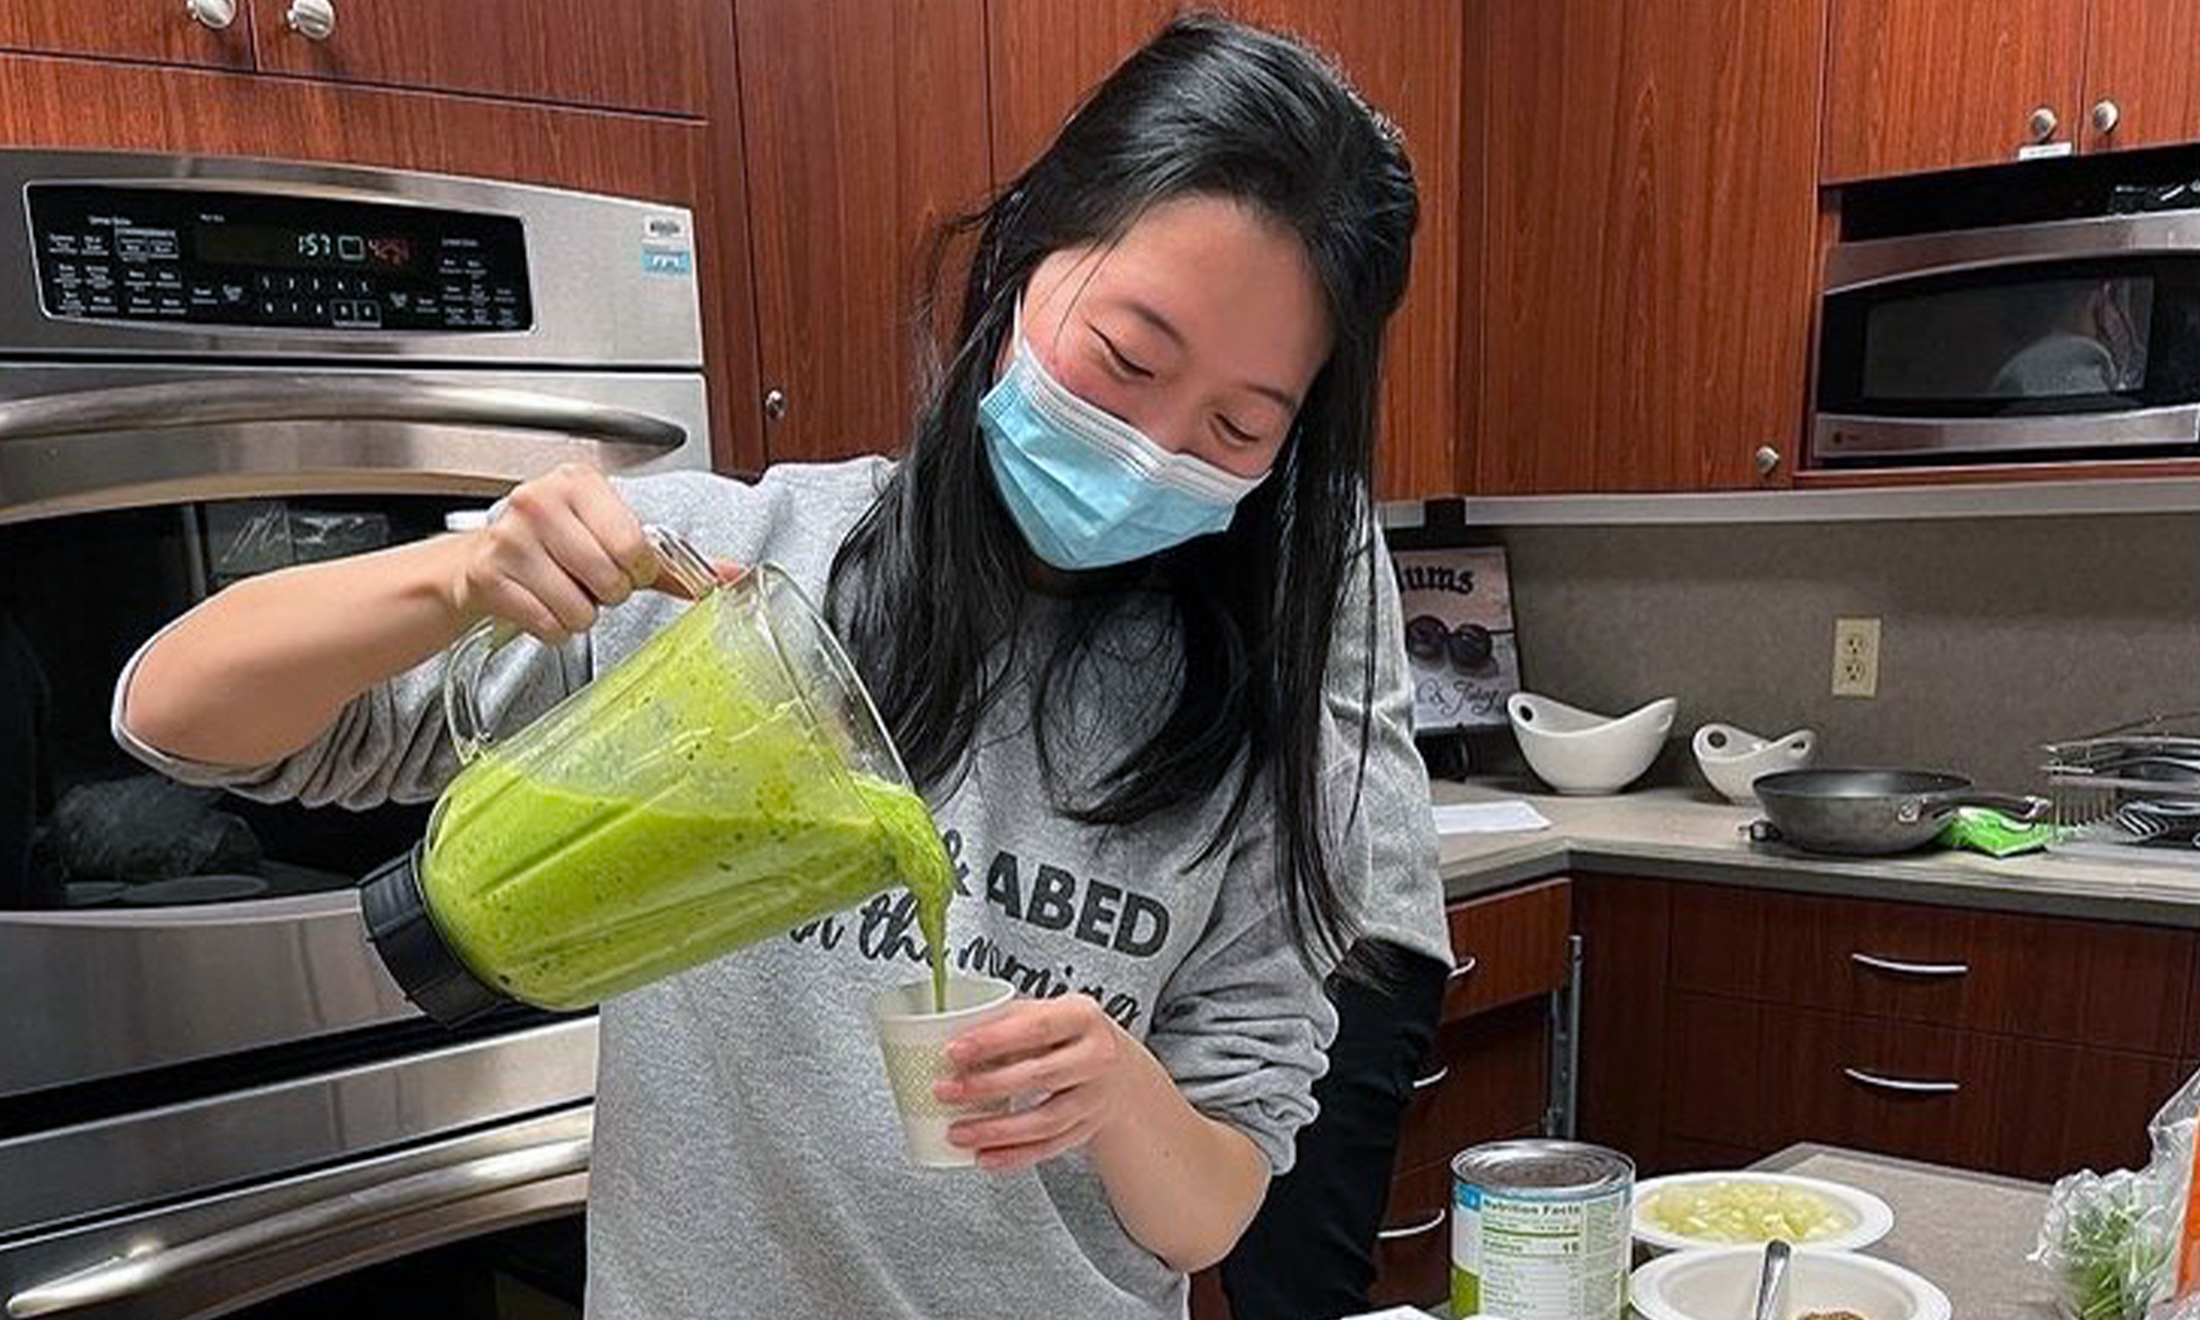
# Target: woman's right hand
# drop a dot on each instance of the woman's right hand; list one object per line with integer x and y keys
{"x": 564, "y": 546}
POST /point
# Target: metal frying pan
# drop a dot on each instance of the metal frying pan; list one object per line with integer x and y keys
{"x": 1870, "y": 813}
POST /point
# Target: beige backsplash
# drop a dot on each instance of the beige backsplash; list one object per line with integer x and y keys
{"x": 1998, "y": 633}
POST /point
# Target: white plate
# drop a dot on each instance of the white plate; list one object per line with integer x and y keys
{"x": 1870, "y": 1218}
{"x": 1722, "y": 1284}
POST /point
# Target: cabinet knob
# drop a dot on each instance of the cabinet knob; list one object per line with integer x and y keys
{"x": 2106, "y": 115}
{"x": 1768, "y": 460}
{"x": 216, "y": 14}
{"x": 315, "y": 20}
{"x": 775, "y": 404}
{"x": 2043, "y": 124}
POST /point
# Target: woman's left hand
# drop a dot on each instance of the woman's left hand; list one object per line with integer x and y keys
{"x": 1065, "y": 1049}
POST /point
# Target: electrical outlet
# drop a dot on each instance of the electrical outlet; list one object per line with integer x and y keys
{"x": 1856, "y": 657}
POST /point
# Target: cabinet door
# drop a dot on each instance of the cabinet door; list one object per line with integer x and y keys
{"x": 1759, "y": 1077}
{"x": 1625, "y": 1038}
{"x": 1404, "y": 55}
{"x": 579, "y": 52}
{"x": 1640, "y": 316}
{"x": 1919, "y": 85}
{"x": 2050, "y": 978}
{"x": 2142, "y": 75}
{"x": 866, "y": 127}
{"x": 86, "y": 103}
{"x": 163, "y": 31}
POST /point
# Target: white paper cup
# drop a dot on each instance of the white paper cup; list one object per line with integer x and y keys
{"x": 914, "y": 1040}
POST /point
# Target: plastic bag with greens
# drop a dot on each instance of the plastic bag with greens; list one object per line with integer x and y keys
{"x": 2121, "y": 1245}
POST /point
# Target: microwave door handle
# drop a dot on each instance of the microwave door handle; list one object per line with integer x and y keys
{"x": 138, "y": 1273}
{"x": 180, "y": 404}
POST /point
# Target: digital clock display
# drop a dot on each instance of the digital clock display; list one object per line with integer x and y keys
{"x": 311, "y": 249}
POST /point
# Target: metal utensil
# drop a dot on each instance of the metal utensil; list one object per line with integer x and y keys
{"x": 1772, "y": 1282}
{"x": 1871, "y": 813}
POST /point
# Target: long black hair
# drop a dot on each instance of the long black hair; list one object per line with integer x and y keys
{"x": 930, "y": 588}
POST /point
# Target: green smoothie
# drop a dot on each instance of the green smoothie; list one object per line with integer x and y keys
{"x": 671, "y": 812}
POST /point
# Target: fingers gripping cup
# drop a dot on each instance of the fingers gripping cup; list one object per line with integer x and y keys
{"x": 724, "y": 783}
{"x": 914, "y": 1040}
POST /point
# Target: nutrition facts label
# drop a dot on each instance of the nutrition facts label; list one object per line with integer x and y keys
{"x": 1539, "y": 1258}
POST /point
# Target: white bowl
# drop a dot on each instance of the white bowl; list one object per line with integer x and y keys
{"x": 1722, "y": 1285}
{"x": 1869, "y": 1218}
{"x": 1581, "y": 752}
{"x": 1733, "y": 759}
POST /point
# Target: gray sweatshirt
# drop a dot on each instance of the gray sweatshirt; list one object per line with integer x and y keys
{"x": 747, "y": 1158}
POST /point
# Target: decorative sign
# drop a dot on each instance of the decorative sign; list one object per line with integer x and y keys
{"x": 1459, "y": 636}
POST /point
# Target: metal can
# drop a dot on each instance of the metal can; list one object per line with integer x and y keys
{"x": 1540, "y": 1230}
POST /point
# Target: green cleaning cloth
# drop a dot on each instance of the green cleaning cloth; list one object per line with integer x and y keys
{"x": 1983, "y": 829}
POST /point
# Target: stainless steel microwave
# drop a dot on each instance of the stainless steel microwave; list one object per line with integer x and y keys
{"x": 2076, "y": 339}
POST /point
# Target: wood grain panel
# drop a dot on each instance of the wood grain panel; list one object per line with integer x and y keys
{"x": 1645, "y": 291}
{"x": 1413, "y": 1268}
{"x": 1509, "y": 946}
{"x": 2085, "y": 982}
{"x": 737, "y": 440}
{"x": 1494, "y": 1074}
{"x": 2144, "y": 55}
{"x": 579, "y": 52}
{"x": 162, "y": 31}
{"x": 1405, "y": 57}
{"x": 866, "y": 126}
{"x": 84, "y": 103}
{"x": 1759, "y": 1077}
{"x": 1623, "y": 924}
{"x": 1920, "y": 85}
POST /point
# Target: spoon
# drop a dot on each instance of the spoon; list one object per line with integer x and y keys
{"x": 1772, "y": 1283}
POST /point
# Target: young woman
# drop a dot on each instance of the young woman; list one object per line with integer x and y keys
{"x": 1123, "y": 610}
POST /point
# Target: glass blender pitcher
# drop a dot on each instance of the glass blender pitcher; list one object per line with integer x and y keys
{"x": 725, "y": 783}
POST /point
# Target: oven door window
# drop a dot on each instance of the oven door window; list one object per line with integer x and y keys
{"x": 82, "y": 825}
{"x": 2053, "y": 338}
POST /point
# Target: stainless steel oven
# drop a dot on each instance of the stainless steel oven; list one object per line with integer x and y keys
{"x": 2071, "y": 339}
{"x": 212, "y": 1099}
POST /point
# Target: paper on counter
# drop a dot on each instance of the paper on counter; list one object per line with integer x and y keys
{"x": 1395, "y": 1312}
{"x": 1488, "y": 818}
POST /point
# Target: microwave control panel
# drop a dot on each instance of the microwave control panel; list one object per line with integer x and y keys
{"x": 190, "y": 256}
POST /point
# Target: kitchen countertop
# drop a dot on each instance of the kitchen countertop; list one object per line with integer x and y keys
{"x": 1683, "y": 834}
{"x": 1967, "y": 1232}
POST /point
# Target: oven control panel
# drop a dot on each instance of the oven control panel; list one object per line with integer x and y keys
{"x": 192, "y": 256}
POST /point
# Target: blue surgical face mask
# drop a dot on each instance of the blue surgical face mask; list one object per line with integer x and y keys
{"x": 1088, "y": 489}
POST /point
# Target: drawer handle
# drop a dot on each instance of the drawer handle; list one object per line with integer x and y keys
{"x": 1909, "y": 968}
{"x": 1901, "y": 1085}
{"x": 1433, "y": 1223}
{"x": 1424, "y": 1083}
{"x": 1464, "y": 969}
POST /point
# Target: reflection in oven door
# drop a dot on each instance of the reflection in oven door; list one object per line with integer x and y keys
{"x": 483, "y": 1226}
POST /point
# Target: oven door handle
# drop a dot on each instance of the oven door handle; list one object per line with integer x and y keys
{"x": 171, "y": 405}
{"x": 144, "y": 1270}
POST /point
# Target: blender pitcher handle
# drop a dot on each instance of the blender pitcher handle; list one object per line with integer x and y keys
{"x": 469, "y": 725}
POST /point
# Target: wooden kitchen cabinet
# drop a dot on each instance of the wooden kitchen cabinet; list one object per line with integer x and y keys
{"x": 2047, "y": 978}
{"x": 1641, "y": 233}
{"x": 2143, "y": 63}
{"x": 1624, "y": 924}
{"x": 1722, "y": 1023}
{"x": 1924, "y": 85}
{"x": 1405, "y": 56}
{"x": 1764, "y": 1076}
{"x": 1920, "y": 85}
{"x": 647, "y": 57}
{"x": 866, "y": 128}
{"x": 160, "y": 31}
